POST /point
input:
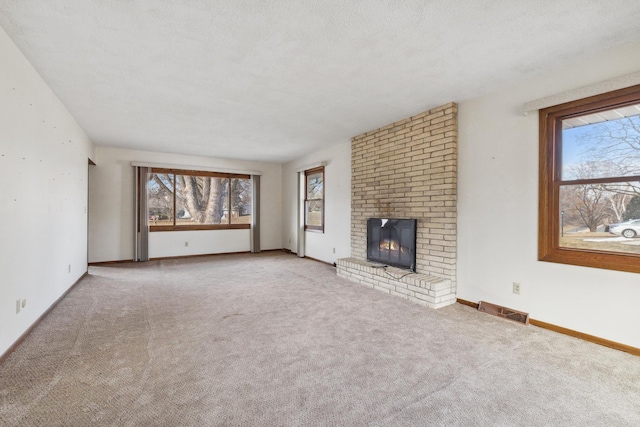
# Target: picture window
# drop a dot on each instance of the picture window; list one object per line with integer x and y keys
{"x": 197, "y": 200}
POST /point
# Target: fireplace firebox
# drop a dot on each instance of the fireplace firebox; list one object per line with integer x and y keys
{"x": 392, "y": 241}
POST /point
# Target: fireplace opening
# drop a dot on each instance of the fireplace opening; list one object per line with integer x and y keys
{"x": 392, "y": 242}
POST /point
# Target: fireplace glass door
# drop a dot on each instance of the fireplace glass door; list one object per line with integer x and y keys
{"x": 392, "y": 242}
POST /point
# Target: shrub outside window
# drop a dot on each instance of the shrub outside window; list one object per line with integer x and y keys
{"x": 314, "y": 199}
{"x": 590, "y": 182}
{"x": 197, "y": 200}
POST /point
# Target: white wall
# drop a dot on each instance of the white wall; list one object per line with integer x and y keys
{"x": 167, "y": 244}
{"x": 111, "y": 212}
{"x": 498, "y": 206}
{"x": 337, "y": 213}
{"x": 43, "y": 198}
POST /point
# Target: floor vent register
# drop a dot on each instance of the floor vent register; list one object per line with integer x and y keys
{"x": 507, "y": 313}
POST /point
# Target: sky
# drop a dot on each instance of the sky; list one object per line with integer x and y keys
{"x": 578, "y": 145}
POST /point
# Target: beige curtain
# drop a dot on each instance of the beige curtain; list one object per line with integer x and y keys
{"x": 255, "y": 213}
{"x": 141, "y": 226}
{"x": 301, "y": 194}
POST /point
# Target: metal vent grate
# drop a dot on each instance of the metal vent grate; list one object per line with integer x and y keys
{"x": 507, "y": 313}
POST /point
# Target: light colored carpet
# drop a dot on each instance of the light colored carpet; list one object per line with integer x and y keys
{"x": 274, "y": 340}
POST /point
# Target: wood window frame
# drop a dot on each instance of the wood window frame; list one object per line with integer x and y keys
{"x": 550, "y": 181}
{"x": 175, "y": 227}
{"x": 314, "y": 228}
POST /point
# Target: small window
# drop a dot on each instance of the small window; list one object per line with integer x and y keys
{"x": 314, "y": 199}
{"x": 195, "y": 200}
{"x": 590, "y": 182}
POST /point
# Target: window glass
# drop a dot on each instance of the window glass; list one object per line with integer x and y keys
{"x": 315, "y": 185}
{"x": 597, "y": 146}
{"x": 201, "y": 200}
{"x": 240, "y": 201}
{"x": 602, "y": 144}
{"x": 599, "y": 217}
{"x": 160, "y": 190}
{"x": 314, "y": 199}
{"x": 191, "y": 201}
{"x": 313, "y": 213}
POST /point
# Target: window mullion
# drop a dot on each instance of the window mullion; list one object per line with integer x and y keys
{"x": 175, "y": 186}
{"x": 608, "y": 180}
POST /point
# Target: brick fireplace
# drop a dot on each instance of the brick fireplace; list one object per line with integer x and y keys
{"x": 408, "y": 169}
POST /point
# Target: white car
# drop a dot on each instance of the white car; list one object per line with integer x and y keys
{"x": 628, "y": 229}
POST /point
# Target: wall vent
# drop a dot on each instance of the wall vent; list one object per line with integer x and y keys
{"x": 507, "y": 313}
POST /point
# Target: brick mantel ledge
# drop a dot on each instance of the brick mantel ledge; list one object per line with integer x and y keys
{"x": 434, "y": 292}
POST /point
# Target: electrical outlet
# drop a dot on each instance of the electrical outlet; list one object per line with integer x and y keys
{"x": 186, "y": 244}
{"x": 18, "y": 306}
{"x": 516, "y": 288}
{"x": 69, "y": 269}
{"x": 23, "y": 302}
{"x": 334, "y": 250}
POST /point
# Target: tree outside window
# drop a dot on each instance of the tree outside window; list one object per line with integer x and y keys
{"x": 188, "y": 200}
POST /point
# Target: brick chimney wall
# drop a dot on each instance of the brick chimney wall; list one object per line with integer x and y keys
{"x": 408, "y": 169}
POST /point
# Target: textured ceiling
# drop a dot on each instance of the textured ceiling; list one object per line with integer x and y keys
{"x": 274, "y": 80}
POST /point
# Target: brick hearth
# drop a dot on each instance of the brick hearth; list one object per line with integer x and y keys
{"x": 431, "y": 291}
